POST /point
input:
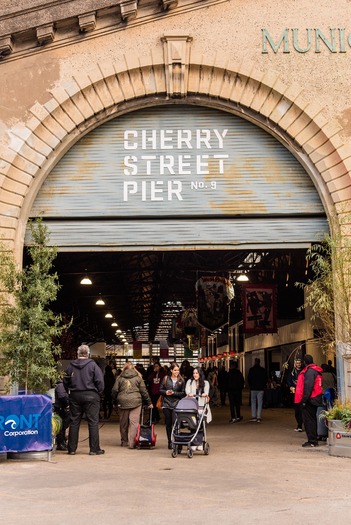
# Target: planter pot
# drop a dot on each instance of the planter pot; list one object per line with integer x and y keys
{"x": 339, "y": 440}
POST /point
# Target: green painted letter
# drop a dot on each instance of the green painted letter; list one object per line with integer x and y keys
{"x": 266, "y": 37}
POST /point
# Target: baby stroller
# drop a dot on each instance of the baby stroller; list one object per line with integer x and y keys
{"x": 189, "y": 428}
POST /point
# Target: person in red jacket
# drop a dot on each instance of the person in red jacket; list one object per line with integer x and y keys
{"x": 310, "y": 394}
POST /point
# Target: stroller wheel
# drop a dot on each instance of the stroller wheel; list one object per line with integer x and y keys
{"x": 190, "y": 453}
{"x": 206, "y": 449}
{"x": 174, "y": 452}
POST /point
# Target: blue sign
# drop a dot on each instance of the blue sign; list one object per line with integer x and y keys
{"x": 25, "y": 423}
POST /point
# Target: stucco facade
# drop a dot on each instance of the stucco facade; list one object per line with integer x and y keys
{"x": 67, "y": 67}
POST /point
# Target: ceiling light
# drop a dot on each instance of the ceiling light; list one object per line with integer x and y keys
{"x": 86, "y": 280}
{"x": 100, "y": 301}
{"x": 108, "y": 316}
{"x": 242, "y": 278}
{"x": 114, "y": 324}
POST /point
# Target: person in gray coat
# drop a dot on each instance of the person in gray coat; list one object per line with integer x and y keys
{"x": 129, "y": 392}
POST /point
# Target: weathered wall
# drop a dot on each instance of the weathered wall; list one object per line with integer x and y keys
{"x": 68, "y": 66}
{"x": 225, "y": 36}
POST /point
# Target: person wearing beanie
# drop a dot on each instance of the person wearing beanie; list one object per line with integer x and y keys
{"x": 309, "y": 394}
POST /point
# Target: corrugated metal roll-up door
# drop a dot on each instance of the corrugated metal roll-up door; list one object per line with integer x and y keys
{"x": 179, "y": 176}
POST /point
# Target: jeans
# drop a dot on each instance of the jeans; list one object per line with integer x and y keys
{"x": 256, "y": 403}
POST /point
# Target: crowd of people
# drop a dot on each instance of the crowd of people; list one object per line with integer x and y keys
{"x": 87, "y": 391}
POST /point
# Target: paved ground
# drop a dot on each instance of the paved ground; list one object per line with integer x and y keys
{"x": 255, "y": 474}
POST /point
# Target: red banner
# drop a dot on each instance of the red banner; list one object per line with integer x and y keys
{"x": 259, "y": 303}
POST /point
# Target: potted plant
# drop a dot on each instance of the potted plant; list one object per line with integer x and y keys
{"x": 338, "y": 420}
{"x": 340, "y": 412}
{"x": 28, "y": 349}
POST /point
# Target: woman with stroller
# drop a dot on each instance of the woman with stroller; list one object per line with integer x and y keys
{"x": 130, "y": 391}
{"x": 172, "y": 388}
{"x": 199, "y": 387}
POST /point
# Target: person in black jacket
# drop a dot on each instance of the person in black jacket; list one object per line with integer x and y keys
{"x": 84, "y": 381}
{"x": 109, "y": 381}
{"x": 234, "y": 385}
{"x": 61, "y": 407}
{"x": 172, "y": 388}
{"x": 257, "y": 379}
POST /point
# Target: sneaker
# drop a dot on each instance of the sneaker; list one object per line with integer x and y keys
{"x": 232, "y": 420}
{"x": 309, "y": 444}
{"x": 71, "y": 453}
{"x": 254, "y": 419}
{"x": 97, "y": 453}
{"x": 62, "y": 447}
{"x": 258, "y": 420}
{"x": 298, "y": 429}
{"x": 239, "y": 419}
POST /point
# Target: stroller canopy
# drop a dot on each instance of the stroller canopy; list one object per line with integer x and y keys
{"x": 188, "y": 403}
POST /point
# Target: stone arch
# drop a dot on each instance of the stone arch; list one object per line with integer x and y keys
{"x": 111, "y": 89}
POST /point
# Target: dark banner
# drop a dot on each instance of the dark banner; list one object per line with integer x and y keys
{"x": 214, "y": 294}
{"x": 259, "y": 304}
{"x": 25, "y": 423}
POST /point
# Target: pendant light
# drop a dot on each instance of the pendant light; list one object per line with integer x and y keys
{"x": 86, "y": 280}
{"x": 100, "y": 301}
{"x": 243, "y": 278}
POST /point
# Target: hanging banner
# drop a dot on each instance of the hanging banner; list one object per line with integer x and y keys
{"x": 25, "y": 423}
{"x": 214, "y": 294}
{"x": 189, "y": 321}
{"x": 259, "y": 305}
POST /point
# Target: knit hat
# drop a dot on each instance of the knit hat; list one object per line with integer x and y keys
{"x": 308, "y": 359}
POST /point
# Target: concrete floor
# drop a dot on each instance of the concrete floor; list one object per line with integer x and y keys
{"x": 255, "y": 474}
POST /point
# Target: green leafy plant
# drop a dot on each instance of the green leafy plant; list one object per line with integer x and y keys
{"x": 328, "y": 291}
{"x": 28, "y": 328}
{"x": 339, "y": 411}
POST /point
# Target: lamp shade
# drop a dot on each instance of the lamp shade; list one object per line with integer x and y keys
{"x": 86, "y": 280}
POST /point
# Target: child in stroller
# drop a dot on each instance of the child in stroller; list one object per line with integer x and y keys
{"x": 189, "y": 427}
